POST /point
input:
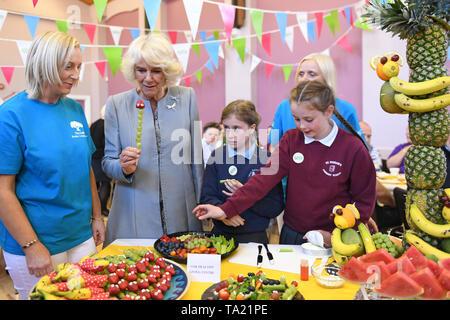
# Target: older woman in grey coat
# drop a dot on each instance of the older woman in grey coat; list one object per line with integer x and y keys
{"x": 153, "y": 146}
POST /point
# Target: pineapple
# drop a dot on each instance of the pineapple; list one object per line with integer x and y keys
{"x": 425, "y": 167}
{"x": 429, "y": 128}
{"x": 428, "y": 202}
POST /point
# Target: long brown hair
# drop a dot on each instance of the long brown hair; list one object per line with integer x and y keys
{"x": 320, "y": 96}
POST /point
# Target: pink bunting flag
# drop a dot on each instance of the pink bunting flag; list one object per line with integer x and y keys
{"x": 319, "y": 21}
{"x": 344, "y": 43}
{"x": 35, "y": 3}
{"x": 101, "y": 66}
{"x": 265, "y": 40}
{"x": 187, "y": 80}
{"x": 350, "y": 18}
{"x": 173, "y": 36}
{"x": 7, "y": 73}
{"x": 90, "y": 30}
{"x": 269, "y": 68}
{"x": 228, "y": 12}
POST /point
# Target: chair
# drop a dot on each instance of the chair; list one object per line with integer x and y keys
{"x": 400, "y": 201}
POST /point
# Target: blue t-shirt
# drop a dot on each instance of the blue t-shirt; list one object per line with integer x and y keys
{"x": 48, "y": 148}
{"x": 283, "y": 119}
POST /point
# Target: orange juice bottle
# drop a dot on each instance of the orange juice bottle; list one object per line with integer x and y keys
{"x": 304, "y": 270}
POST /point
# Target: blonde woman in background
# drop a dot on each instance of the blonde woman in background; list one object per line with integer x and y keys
{"x": 49, "y": 208}
{"x": 159, "y": 184}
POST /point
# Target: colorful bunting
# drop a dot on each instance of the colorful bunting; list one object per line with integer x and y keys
{"x": 311, "y": 31}
{"x": 216, "y": 34}
{"x": 32, "y": 22}
{"x": 332, "y": 21}
{"x": 3, "y": 14}
{"x": 35, "y": 3}
{"x": 209, "y": 66}
{"x": 7, "y": 73}
{"x": 319, "y": 21}
{"x": 287, "y": 72}
{"x": 193, "y": 10}
{"x": 302, "y": 20}
{"x": 228, "y": 13}
{"x": 266, "y": 42}
{"x": 135, "y": 33}
{"x": 114, "y": 57}
{"x": 343, "y": 42}
{"x": 290, "y": 38}
{"x": 151, "y": 11}
{"x": 347, "y": 12}
{"x": 362, "y": 24}
{"x": 269, "y": 68}
{"x": 116, "y": 32}
{"x": 198, "y": 75}
{"x": 202, "y": 35}
{"x": 24, "y": 47}
{"x": 173, "y": 36}
{"x": 255, "y": 62}
{"x": 196, "y": 48}
{"x": 182, "y": 52}
{"x": 212, "y": 46}
{"x": 100, "y": 6}
{"x": 282, "y": 21}
{"x": 101, "y": 66}
{"x": 90, "y": 31}
{"x": 239, "y": 45}
{"x": 63, "y": 26}
{"x": 257, "y": 20}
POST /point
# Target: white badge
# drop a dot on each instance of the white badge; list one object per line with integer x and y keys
{"x": 232, "y": 170}
{"x": 298, "y": 157}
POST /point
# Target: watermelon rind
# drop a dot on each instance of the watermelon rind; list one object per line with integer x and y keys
{"x": 354, "y": 271}
{"x": 377, "y": 255}
{"x": 399, "y": 285}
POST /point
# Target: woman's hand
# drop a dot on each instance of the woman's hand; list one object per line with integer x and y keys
{"x": 128, "y": 159}
{"x": 235, "y": 221}
{"x": 372, "y": 226}
{"x": 326, "y": 238}
{"x": 205, "y": 211}
{"x": 38, "y": 260}
{"x": 98, "y": 231}
{"x": 232, "y": 185}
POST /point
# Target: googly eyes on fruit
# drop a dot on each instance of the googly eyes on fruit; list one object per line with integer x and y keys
{"x": 395, "y": 57}
{"x": 383, "y": 60}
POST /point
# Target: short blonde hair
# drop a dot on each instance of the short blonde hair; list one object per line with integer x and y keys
{"x": 326, "y": 66}
{"x": 157, "y": 51}
{"x": 48, "y": 55}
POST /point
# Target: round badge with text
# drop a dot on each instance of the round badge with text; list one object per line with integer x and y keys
{"x": 298, "y": 157}
{"x": 232, "y": 170}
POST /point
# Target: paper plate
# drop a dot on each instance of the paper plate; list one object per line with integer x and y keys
{"x": 313, "y": 250}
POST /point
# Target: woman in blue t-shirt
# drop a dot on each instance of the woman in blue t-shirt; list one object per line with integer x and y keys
{"x": 49, "y": 207}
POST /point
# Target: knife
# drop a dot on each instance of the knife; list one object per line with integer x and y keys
{"x": 260, "y": 257}
{"x": 269, "y": 254}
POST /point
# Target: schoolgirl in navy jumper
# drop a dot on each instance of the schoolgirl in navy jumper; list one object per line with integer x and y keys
{"x": 229, "y": 168}
{"x": 325, "y": 165}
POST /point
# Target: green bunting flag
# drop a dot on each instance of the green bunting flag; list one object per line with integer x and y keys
{"x": 257, "y": 19}
{"x": 198, "y": 74}
{"x": 100, "y": 6}
{"x": 114, "y": 57}
{"x": 196, "y": 48}
{"x": 332, "y": 21}
{"x": 216, "y": 34}
{"x": 239, "y": 45}
{"x": 287, "y": 72}
{"x": 62, "y": 25}
{"x": 362, "y": 24}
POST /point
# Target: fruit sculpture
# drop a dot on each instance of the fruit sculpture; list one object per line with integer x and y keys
{"x": 425, "y": 97}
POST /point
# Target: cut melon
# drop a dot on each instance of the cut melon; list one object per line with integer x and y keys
{"x": 431, "y": 286}
{"x": 399, "y": 285}
{"x": 433, "y": 266}
{"x": 445, "y": 263}
{"x": 377, "y": 255}
{"x": 401, "y": 264}
{"x": 380, "y": 268}
{"x": 444, "y": 279}
{"x": 416, "y": 257}
{"x": 354, "y": 271}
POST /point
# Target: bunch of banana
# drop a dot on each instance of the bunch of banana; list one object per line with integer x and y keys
{"x": 433, "y": 229}
{"x": 424, "y": 247}
{"x": 446, "y": 202}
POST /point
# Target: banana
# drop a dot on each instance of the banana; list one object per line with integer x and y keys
{"x": 422, "y": 105}
{"x": 44, "y": 281}
{"x": 419, "y": 88}
{"x": 424, "y": 247}
{"x": 446, "y": 213}
{"x": 49, "y": 296}
{"x": 369, "y": 244}
{"x": 339, "y": 258}
{"x": 433, "y": 229}
{"x": 344, "y": 249}
{"x": 78, "y": 294}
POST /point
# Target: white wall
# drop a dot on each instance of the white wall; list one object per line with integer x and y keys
{"x": 388, "y": 130}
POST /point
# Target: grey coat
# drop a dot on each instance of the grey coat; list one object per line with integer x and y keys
{"x": 176, "y": 173}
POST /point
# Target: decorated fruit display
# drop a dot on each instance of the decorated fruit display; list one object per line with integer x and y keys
{"x": 253, "y": 287}
{"x": 177, "y": 246}
{"x": 136, "y": 275}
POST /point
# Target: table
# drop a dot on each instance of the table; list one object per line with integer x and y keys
{"x": 391, "y": 182}
{"x": 309, "y": 289}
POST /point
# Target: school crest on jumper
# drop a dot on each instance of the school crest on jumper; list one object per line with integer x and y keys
{"x": 332, "y": 168}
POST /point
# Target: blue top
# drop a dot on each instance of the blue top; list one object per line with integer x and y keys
{"x": 397, "y": 150}
{"x": 283, "y": 119}
{"x": 225, "y": 163}
{"x": 48, "y": 148}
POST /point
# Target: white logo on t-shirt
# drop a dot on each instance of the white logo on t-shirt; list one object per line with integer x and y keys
{"x": 79, "y": 129}
{"x": 332, "y": 168}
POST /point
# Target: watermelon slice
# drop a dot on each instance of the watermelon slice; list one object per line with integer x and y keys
{"x": 405, "y": 265}
{"x": 433, "y": 266}
{"x": 354, "y": 271}
{"x": 380, "y": 267}
{"x": 431, "y": 286}
{"x": 444, "y": 279}
{"x": 399, "y": 285}
{"x": 377, "y": 255}
{"x": 445, "y": 263}
{"x": 416, "y": 257}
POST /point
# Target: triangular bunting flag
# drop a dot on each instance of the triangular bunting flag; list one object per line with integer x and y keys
{"x": 216, "y": 34}
{"x": 221, "y": 54}
{"x": 182, "y": 52}
{"x": 290, "y": 38}
{"x": 63, "y": 26}
{"x": 82, "y": 69}
{"x": 319, "y": 21}
{"x": 202, "y": 35}
{"x": 302, "y": 20}
{"x": 24, "y": 47}
{"x": 255, "y": 62}
{"x": 188, "y": 36}
{"x": 114, "y": 57}
{"x": 287, "y": 72}
{"x": 332, "y": 21}
{"x": 90, "y": 31}
{"x": 116, "y": 32}
{"x": 151, "y": 11}
{"x": 173, "y": 36}
{"x": 266, "y": 42}
{"x": 257, "y": 20}
{"x": 343, "y": 42}
{"x": 35, "y": 3}
{"x": 7, "y": 73}
{"x": 228, "y": 13}
{"x": 32, "y": 22}
{"x": 100, "y": 6}
{"x": 209, "y": 66}
{"x": 311, "y": 31}
{"x": 212, "y": 46}
{"x": 3, "y": 14}
{"x": 239, "y": 45}
{"x": 196, "y": 48}
{"x": 198, "y": 75}
{"x": 362, "y": 24}
{"x": 282, "y": 21}
{"x": 101, "y": 66}
{"x": 269, "y": 68}
{"x": 326, "y": 52}
{"x": 187, "y": 80}
{"x": 347, "y": 12}
{"x": 135, "y": 33}
{"x": 193, "y": 10}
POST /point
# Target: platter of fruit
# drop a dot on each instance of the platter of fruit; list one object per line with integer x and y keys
{"x": 253, "y": 287}
{"x": 177, "y": 246}
{"x": 138, "y": 274}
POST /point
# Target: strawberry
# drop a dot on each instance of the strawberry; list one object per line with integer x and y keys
{"x": 127, "y": 297}
{"x": 143, "y": 284}
{"x": 95, "y": 290}
{"x": 132, "y": 276}
{"x": 145, "y": 293}
{"x": 112, "y": 268}
{"x": 146, "y": 262}
{"x": 160, "y": 262}
{"x": 132, "y": 268}
{"x": 152, "y": 278}
{"x": 170, "y": 268}
{"x": 165, "y": 282}
{"x": 94, "y": 280}
{"x": 123, "y": 284}
{"x": 157, "y": 294}
{"x": 122, "y": 265}
{"x": 150, "y": 256}
{"x": 120, "y": 273}
{"x": 62, "y": 286}
{"x": 100, "y": 296}
{"x": 113, "y": 278}
{"x": 113, "y": 290}
{"x": 167, "y": 275}
{"x": 161, "y": 287}
{"x": 140, "y": 267}
{"x": 133, "y": 286}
